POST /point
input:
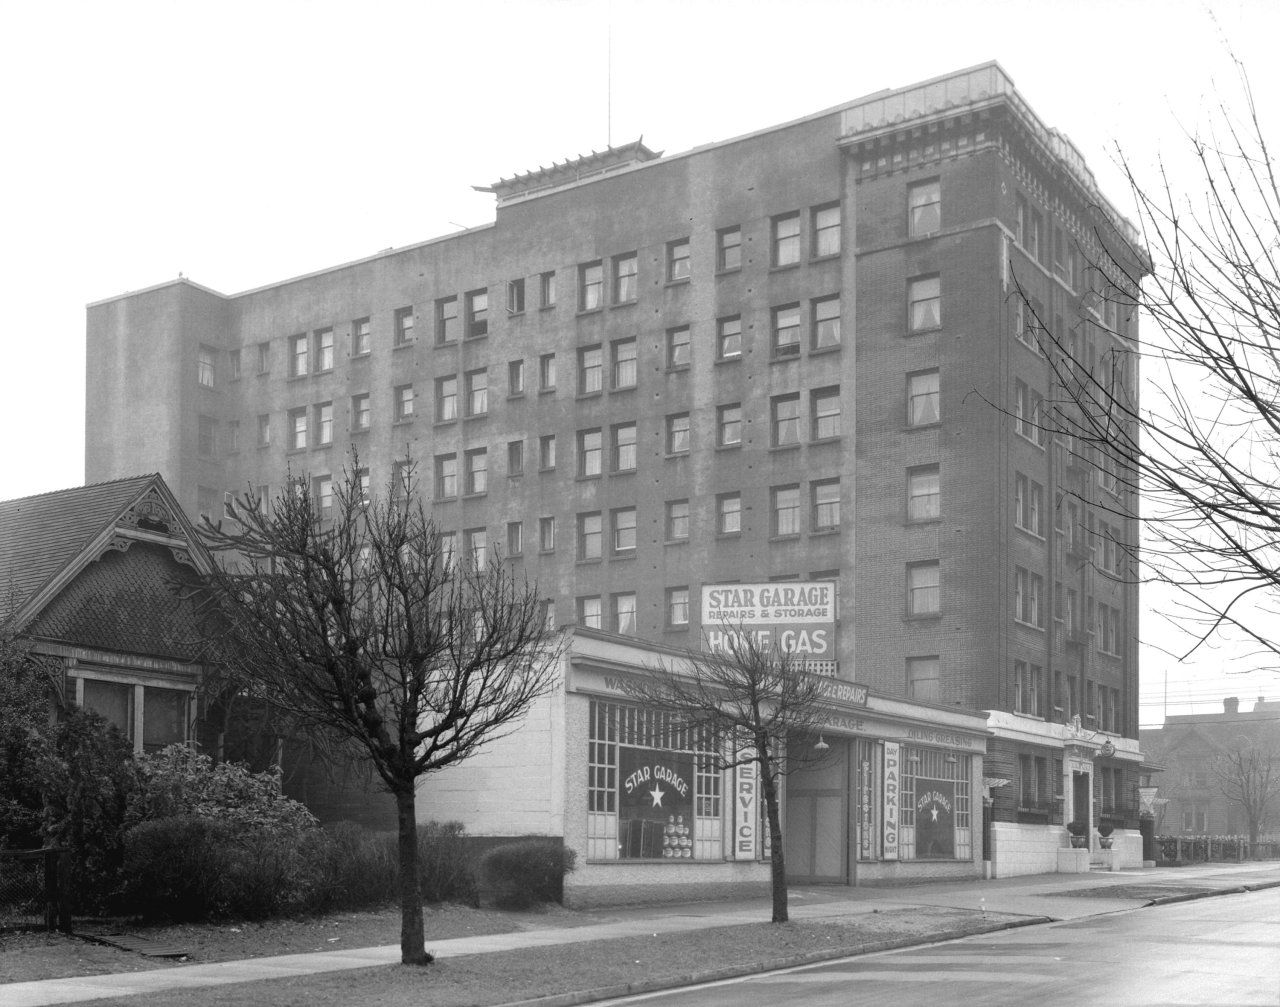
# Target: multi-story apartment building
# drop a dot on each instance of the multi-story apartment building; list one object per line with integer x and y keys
{"x": 800, "y": 354}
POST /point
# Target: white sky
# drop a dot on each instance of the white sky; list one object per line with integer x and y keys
{"x": 242, "y": 143}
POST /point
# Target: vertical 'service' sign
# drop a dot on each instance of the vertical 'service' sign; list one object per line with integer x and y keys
{"x": 745, "y": 815}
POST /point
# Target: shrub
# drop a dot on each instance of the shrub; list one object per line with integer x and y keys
{"x": 527, "y": 872}
{"x": 446, "y": 871}
{"x": 352, "y": 868}
{"x": 178, "y": 868}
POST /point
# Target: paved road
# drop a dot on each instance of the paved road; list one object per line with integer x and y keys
{"x": 1219, "y": 951}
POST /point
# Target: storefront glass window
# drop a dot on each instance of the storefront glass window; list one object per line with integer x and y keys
{"x": 935, "y": 822}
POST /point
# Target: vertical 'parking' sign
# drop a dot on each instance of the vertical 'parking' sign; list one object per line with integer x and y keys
{"x": 892, "y": 778}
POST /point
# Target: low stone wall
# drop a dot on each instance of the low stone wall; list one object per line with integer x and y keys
{"x": 905, "y": 872}
{"x": 621, "y": 883}
{"x": 1026, "y": 849}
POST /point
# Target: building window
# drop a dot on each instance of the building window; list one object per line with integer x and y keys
{"x": 324, "y": 350}
{"x": 515, "y": 538}
{"x": 589, "y": 612}
{"x": 786, "y": 331}
{"x": 447, "y": 320}
{"x": 785, "y": 416}
{"x": 626, "y": 285}
{"x": 624, "y": 363}
{"x": 477, "y": 470}
{"x": 590, "y": 286}
{"x": 205, "y": 365}
{"x": 264, "y": 358}
{"x": 403, "y": 326}
{"x": 547, "y": 534}
{"x": 547, "y": 372}
{"x": 446, "y": 477}
{"x": 826, "y": 231}
{"x": 298, "y": 426}
{"x": 924, "y": 304}
{"x": 677, "y": 520}
{"x": 360, "y": 337}
{"x": 515, "y": 377}
{"x": 729, "y": 248}
{"x": 1022, "y": 220}
{"x": 678, "y": 265}
{"x": 786, "y": 510}
{"x": 1028, "y": 505}
{"x": 404, "y": 403}
{"x": 547, "y": 452}
{"x": 515, "y": 458}
{"x": 1026, "y": 688}
{"x": 324, "y": 424}
{"x": 678, "y": 348}
{"x": 264, "y": 430}
{"x": 923, "y": 402}
{"x": 590, "y": 452}
{"x": 1027, "y": 592}
{"x": 477, "y": 313}
{"x": 728, "y": 513}
{"x": 1027, "y": 408}
{"x": 298, "y": 356}
{"x": 729, "y": 338}
{"x": 824, "y": 413}
{"x": 477, "y": 392}
{"x": 233, "y": 361}
{"x": 826, "y": 323}
{"x": 590, "y": 370}
{"x": 678, "y": 434}
{"x": 515, "y": 297}
{"x": 363, "y": 486}
{"x": 323, "y": 487}
{"x": 547, "y": 289}
{"x": 401, "y": 479}
{"x": 624, "y": 614}
{"x": 206, "y": 437}
{"x": 447, "y": 398}
{"x": 590, "y": 535}
{"x": 924, "y": 493}
{"x": 677, "y": 606}
{"x": 923, "y": 680}
{"x": 825, "y": 504}
{"x": 924, "y": 208}
{"x": 448, "y": 551}
{"x": 624, "y": 530}
{"x": 786, "y": 239}
{"x": 624, "y": 447}
{"x": 476, "y": 543}
{"x": 729, "y": 425}
{"x": 923, "y": 588}
{"x": 233, "y": 437}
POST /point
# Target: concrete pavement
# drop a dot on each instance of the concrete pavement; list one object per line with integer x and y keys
{"x": 1032, "y": 896}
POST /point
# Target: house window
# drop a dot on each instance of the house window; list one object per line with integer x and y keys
{"x": 624, "y": 530}
{"x": 677, "y": 520}
{"x": 624, "y": 447}
{"x": 264, "y": 430}
{"x": 924, "y": 493}
{"x": 403, "y": 326}
{"x": 677, "y": 606}
{"x": 786, "y": 510}
{"x": 476, "y": 543}
{"x": 360, "y": 338}
{"x": 626, "y": 285}
{"x": 324, "y": 350}
{"x": 477, "y": 313}
{"x": 515, "y": 377}
{"x": 324, "y": 423}
{"x": 786, "y": 239}
{"x": 515, "y": 458}
{"x": 826, "y": 323}
{"x": 923, "y": 402}
{"x": 590, "y": 535}
{"x": 589, "y": 612}
{"x": 678, "y": 348}
{"x": 624, "y": 363}
{"x": 515, "y": 538}
{"x": 729, "y": 513}
{"x": 923, "y": 588}
{"x": 547, "y": 534}
{"x": 590, "y": 452}
{"x": 590, "y": 286}
{"x": 590, "y": 370}
{"x": 1195, "y": 818}
{"x": 729, "y": 248}
{"x": 924, "y": 208}
{"x": 205, "y": 359}
{"x": 298, "y": 356}
{"x": 785, "y": 417}
{"x": 729, "y": 338}
{"x": 264, "y": 358}
{"x": 923, "y": 679}
{"x": 515, "y": 297}
{"x": 729, "y": 425}
{"x": 678, "y": 265}
{"x": 678, "y": 434}
{"x": 446, "y": 320}
{"x": 826, "y": 231}
{"x": 447, "y": 398}
{"x": 206, "y": 437}
{"x": 825, "y": 504}
{"x": 547, "y": 372}
{"x": 477, "y": 470}
{"x": 446, "y": 477}
{"x": 924, "y": 304}
{"x": 786, "y": 331}
{"x": 624, "y": 614}
{"x": 547, "y": 452}
{"x": 477, "y": 392}
{"x": 298, "y": 426}
{"x": 547, "y": 289}
{"x": 824, "y": 413}
{"x": 404, "y": 403}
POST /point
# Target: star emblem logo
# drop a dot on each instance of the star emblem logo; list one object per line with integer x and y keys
{"x": 657, "y": 793}
{"x": 934, "y": 812}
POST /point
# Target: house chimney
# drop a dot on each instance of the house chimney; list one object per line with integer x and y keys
{"x": 1231, "y": 705}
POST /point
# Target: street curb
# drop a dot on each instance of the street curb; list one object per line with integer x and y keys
{"x": 769, "y": 965}
{"x": 1167, "y": 900}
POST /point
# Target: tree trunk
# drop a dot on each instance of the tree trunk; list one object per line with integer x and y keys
{"x": 777, "y": 865}
{"x": 413, "y": 949}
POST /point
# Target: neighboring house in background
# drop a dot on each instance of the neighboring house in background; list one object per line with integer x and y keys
{"x": 1191, "y": 749}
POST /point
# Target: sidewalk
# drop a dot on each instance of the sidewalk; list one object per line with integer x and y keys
{"x": 1033, "y": 896}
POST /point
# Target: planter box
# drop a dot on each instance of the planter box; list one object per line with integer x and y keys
{"x": 1073, "y": 861}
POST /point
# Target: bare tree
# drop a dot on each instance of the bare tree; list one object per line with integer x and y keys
{"x": 1248, "y": 774}
{"x": 754, "y": 704}
{"x": 361, "y": 624}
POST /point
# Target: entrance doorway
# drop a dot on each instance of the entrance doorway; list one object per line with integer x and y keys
{"x": 1081, "y": 811}
{"x": 817, "y": 830}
